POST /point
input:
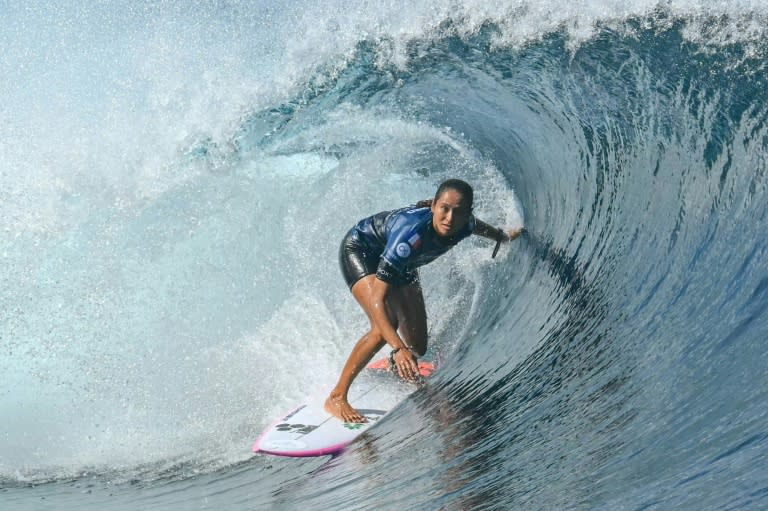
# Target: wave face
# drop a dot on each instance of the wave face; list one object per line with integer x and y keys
{"x": 173, "y": 201}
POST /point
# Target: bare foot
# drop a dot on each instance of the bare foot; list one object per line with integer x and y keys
{"x": 339, "y": 407}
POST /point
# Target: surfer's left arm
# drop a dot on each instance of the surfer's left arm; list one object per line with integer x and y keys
{"x": 494, "y": 233}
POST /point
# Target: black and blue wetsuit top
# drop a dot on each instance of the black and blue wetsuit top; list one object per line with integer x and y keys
{"x": 405, "y": 239}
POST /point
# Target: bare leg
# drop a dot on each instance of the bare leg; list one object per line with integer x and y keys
{"x": 412, "y": 317}
{"x": 406, "y": 307}
{"x": 337, "y": 403}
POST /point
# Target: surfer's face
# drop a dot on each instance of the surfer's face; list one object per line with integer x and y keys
{"x": 450, "y": 213}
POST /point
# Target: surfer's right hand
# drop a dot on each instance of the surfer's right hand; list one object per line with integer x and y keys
{"x": 407, "y": 367}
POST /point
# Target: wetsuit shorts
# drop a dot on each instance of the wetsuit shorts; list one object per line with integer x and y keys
{"x": 357, "y": 261}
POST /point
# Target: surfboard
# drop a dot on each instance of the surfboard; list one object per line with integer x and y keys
{"x": 308, "y": 430}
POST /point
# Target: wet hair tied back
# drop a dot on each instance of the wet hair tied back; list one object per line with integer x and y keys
{"x": 458, "y": 185}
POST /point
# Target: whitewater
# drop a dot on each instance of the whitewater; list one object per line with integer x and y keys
{"x": 175, "y": 180}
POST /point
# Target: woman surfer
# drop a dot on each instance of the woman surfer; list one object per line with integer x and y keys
{"x": 379, "y": 258}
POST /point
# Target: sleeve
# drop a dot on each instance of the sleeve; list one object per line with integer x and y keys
{"x": 388, "y": 273}
{"x": 402, "y": 244}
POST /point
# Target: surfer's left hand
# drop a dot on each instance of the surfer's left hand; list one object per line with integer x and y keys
{"x": 514, "y": 233}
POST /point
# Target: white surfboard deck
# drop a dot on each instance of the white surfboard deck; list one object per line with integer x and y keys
{"x": 309, "y": 430}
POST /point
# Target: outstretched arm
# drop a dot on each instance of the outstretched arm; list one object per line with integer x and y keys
{"x": 493, "y": 233}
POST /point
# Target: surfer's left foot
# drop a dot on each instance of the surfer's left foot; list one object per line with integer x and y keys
{"x": 340, "y": 408}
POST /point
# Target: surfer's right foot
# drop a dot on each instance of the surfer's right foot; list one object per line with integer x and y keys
{"x": 340, "y": 408}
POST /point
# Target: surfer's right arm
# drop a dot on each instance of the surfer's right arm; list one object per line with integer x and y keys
{"x": 404, "y": 358}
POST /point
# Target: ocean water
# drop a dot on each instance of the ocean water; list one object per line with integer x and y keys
{"x": 175, "y": 180}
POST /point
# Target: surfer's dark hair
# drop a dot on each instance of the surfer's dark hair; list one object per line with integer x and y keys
{"x": 460, "y": 186}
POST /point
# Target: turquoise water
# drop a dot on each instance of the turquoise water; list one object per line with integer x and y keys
{"x": 176, "y": 181}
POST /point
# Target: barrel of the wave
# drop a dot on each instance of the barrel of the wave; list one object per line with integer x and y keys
{"x": 308, "y": 430}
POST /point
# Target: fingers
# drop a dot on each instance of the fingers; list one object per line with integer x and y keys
{"x": 408, "y": 369}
